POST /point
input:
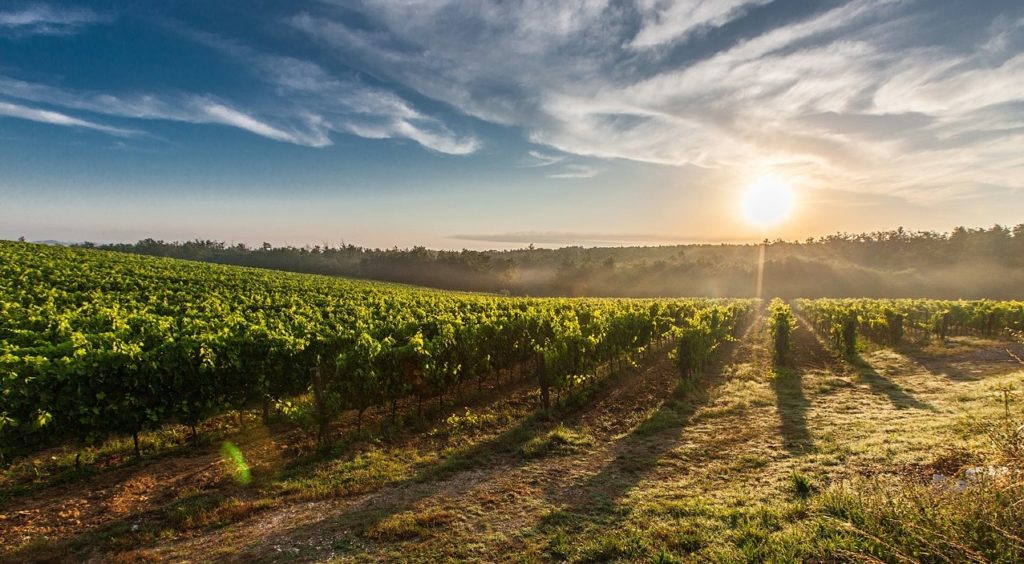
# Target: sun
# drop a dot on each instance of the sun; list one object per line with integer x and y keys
{"x": 767, "y": 201}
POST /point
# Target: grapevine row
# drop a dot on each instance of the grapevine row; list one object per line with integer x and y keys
{"x": 888, "y": 321}
{"x": 94, "y": 344}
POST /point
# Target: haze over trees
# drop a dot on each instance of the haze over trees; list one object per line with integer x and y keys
{"x": 964, "y": 263}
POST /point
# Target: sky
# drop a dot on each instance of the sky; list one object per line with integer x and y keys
{"x": 495, "y": 124}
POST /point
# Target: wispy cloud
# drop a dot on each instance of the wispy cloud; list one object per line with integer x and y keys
{"x": 886, "y": 96}
{"x": 43, "y": 19}
{"x": 540, "y": 158}
{"x": 674, "y": 20}
{"x": 576, "y": 171}
{"x": 566, "y": 170}
{"x": 868, "y": 95}
{"x": 188, "y": 108}
{"x": 57, "y": 118}
{"x": 303, "y": 128}
{"x": 219, "y": 113}
{"x": 336, "y": 104}
{"x": 307, "y": 104}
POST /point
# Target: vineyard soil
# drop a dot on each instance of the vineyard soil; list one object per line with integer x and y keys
{"x": 733, "y": 466}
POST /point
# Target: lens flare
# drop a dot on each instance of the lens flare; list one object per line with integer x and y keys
{"x": 235, "y": 461}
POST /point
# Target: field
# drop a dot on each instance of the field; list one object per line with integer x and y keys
{"x": 162, "y": 410}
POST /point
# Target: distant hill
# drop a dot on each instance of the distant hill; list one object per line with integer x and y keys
{"x": 964, "y": 263}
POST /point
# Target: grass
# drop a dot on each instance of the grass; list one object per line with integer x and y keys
{"x": 360, "y": 473}
{"x": 560, "y": 440}
{"x": 901, "y": 519}
{"x": 802, "y": 485}
{"x": 204, "y": 511}
{"x": 68, "y": 463}
{"x": 411, "y": 524}
{"x": 859, "y": 493}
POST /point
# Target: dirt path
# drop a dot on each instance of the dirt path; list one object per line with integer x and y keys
{"x": 126, "y": 493}
{"x": 134, "y": 494}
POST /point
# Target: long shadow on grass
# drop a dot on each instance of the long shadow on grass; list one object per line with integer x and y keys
{"x": 879, "y": 384}
{"x": 637, "y": 454}
{"x": 143, "y": 527}
{"x": 946, "y": 369}
{"x": 915, "y": 355}
{"x": 808, "y": 357}
{"x": 126, "y": 528}
{"x": 448, "y": 478}
{"x": 792, "y": 406}
{"x": 997, "y": 358}
{"x": 365, "y": 512}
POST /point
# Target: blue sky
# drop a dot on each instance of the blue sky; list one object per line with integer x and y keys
{"x": 493, "y": 124}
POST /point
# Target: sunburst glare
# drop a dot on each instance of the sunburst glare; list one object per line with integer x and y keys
{"x": 768, "y": 201}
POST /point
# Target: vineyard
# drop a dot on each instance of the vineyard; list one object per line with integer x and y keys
{"x": 94, "y": 344}
{"x": 888, "y": 322}
{"x": 311, "y": 418}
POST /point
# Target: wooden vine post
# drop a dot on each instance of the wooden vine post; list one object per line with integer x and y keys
{"x": 321, "y": 406}
{"x": 545, "y": 382}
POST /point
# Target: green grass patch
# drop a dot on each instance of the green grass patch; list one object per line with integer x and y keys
{"x": 410, "y": 525}
{"x": 560, "y": 440}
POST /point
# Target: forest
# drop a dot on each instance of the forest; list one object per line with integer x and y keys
{"x": 964, "y": 263}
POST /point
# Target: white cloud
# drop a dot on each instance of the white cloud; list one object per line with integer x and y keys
{"x": 439, "y": 141}
{"x": 927, "y": 83}
{"x": 219, "y": 113}
{"x": 866, "y": 95}
{"x": 339, "y": 105}
{"x": 543, "y": 159}
{"x": 666, "y": 21}
{"x": 42, "y": 19}
{"x": 183, "y": 108}
{"x": 309, "y": 105}
{"x": 869, "y": 95}
{"x": 576, "y": 171}
{"x": 57, "y": 118}
{"x": 361, "y": 110}
{"x": 367, "y": 113}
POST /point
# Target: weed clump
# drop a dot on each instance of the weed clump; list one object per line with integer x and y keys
{"x": 801, "y": 484}
{"x": 560, "y": 440}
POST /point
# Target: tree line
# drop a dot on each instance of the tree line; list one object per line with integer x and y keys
{"x": 963, "y": 263}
